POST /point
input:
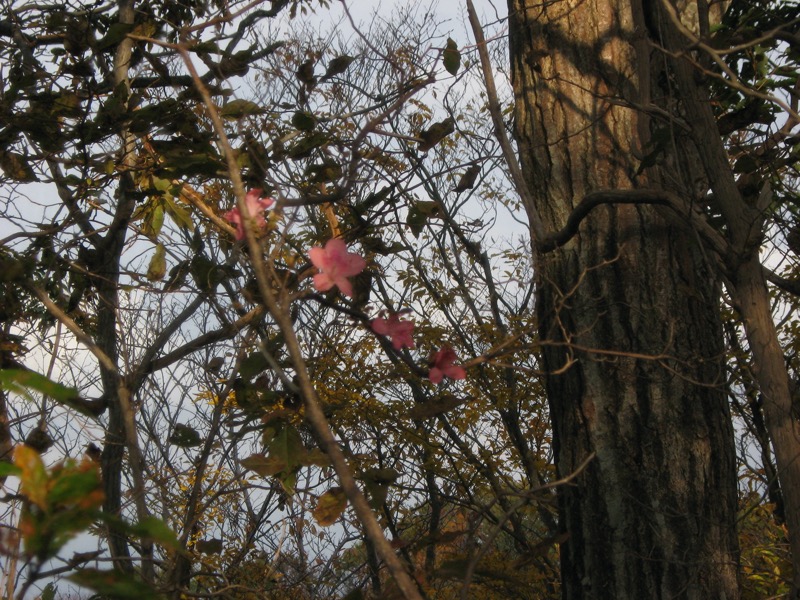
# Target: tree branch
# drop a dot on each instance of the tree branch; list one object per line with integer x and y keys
{"x": 787, "y": 285}
{"x": 654, "y": 197}
{"x": 537, "y": 227}
{"x": 204, "y": 340}
{"x": 314, "y": 413}
{"x": 83, "y": 337}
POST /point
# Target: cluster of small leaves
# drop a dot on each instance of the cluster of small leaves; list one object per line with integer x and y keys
{"x": 351, "y": 146}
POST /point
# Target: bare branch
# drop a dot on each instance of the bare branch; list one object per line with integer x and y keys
{"x": 83, "y": 337}
{"x": 537, "y": 227}
{"x": 656, "y": 197}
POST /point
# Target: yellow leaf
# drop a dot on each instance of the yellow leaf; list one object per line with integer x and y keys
{"x": 330, "y": 506}
{"x": 264, "y": 466}
{"x": 158, "y": 264}
{"x": 34, "y": 476}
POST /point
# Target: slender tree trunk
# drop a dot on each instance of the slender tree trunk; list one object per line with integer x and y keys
{"x": 744, "y": 204}
{"x": 752, "y": 300}
{"x": 121, "y": 434}
{"x": 629, "y": 322}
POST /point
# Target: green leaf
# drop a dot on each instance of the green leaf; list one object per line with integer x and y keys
{"x": 20, "y": 381}
{"x": 17, "y": 380}
{"x": 288, "y": 482}
{"x": 304, "y": 121}
{"x": 238, "y": 109}
{"x": 205, "y": 273}
{"x": 156, "y": 530}
{"x": 454, "y": 568}
{"x": 114, "y": 584}
{"x": 338, "y": 65}
{"x": 184, "y": 436}
{"x": 305, "y": 72}
{"x": 49, "y": 592}
{"x": 451, "y": 57}
{"x": 376, "y": 484}
{"x": 16, "y": 167}
{"x": 436, "y": 133}
{"x": 380, "y": 475}
{"x": 152, "y": 214}
{"x": 254, "y": 364}
{"x": 148, "y": 117}
{"x": 429, "y": 208}
{"x": 315, "y": 457}
{"x": 212, "y": 546}
{"x": 287, "y": 446}
{"x": 67, "y": 104}
{"x": 263, "y": 465}
{"x": 307, "y": 145}
{"x": 162, "y": 185}
{"x": 467, "y": 180}
{"x": 377, "y": 494}
{"x": 178, "y": 213}
{"x": 376, "y": 244}
{"x": 13, "y": 268}
{"x": 416, "y": 221}
{"x": 435, "y": 407}
{"x": 9, "y": 470}
{"x": 158, "y": 264}
{"x": 177, "y": 276}
{"x": 267, "y": 435}
{"x": 73, "y": 486}
{"x": 202, "y": 163}
{"x": 324, "y": 172}
{"x": 116, "y": 33}
{"x": 419, "y": 213}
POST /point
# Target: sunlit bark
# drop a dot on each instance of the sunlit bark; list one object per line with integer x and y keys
{"x": 633, "y": 301}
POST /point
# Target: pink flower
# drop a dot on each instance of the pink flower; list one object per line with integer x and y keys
{"x": 442, "y": 366}
{"x": 335, "y": 265}
{"x": 256, "y": 205}
{"x": 398, "y": 331}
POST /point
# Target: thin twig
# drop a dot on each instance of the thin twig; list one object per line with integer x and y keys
{"x": 83, "y": 337}
{"x": 313, "y": 408}
{"x": 498, "y": 528}
{"x": 537, "y": 227}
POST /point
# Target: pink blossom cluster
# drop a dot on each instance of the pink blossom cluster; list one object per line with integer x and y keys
{"x": 396, "y": 329}
{"x": 442, "y": 366}
{"x": 256, "y": 204}
{"x": 336, "y": 264}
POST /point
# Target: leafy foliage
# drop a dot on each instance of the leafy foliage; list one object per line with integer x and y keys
{"x": 127, "y": 276}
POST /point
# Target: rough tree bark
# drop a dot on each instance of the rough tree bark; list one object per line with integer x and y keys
{"x": 629, "y": 318}
{"x": 744, "y": 204}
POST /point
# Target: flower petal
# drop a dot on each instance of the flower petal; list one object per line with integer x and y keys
{"x": 319, "y": 258}
{"x": 322, "y": 282}
{"x": 352, "y": 264}
{"x": 344, "y": 285}
{"x": 380, "y": 326}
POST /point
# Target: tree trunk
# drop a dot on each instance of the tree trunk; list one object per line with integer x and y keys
{"x": 629, "y": 322}
{"x": 121, "y": 433}
{"x": 743, "y": 202}
{"x": 751, "y": 297}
